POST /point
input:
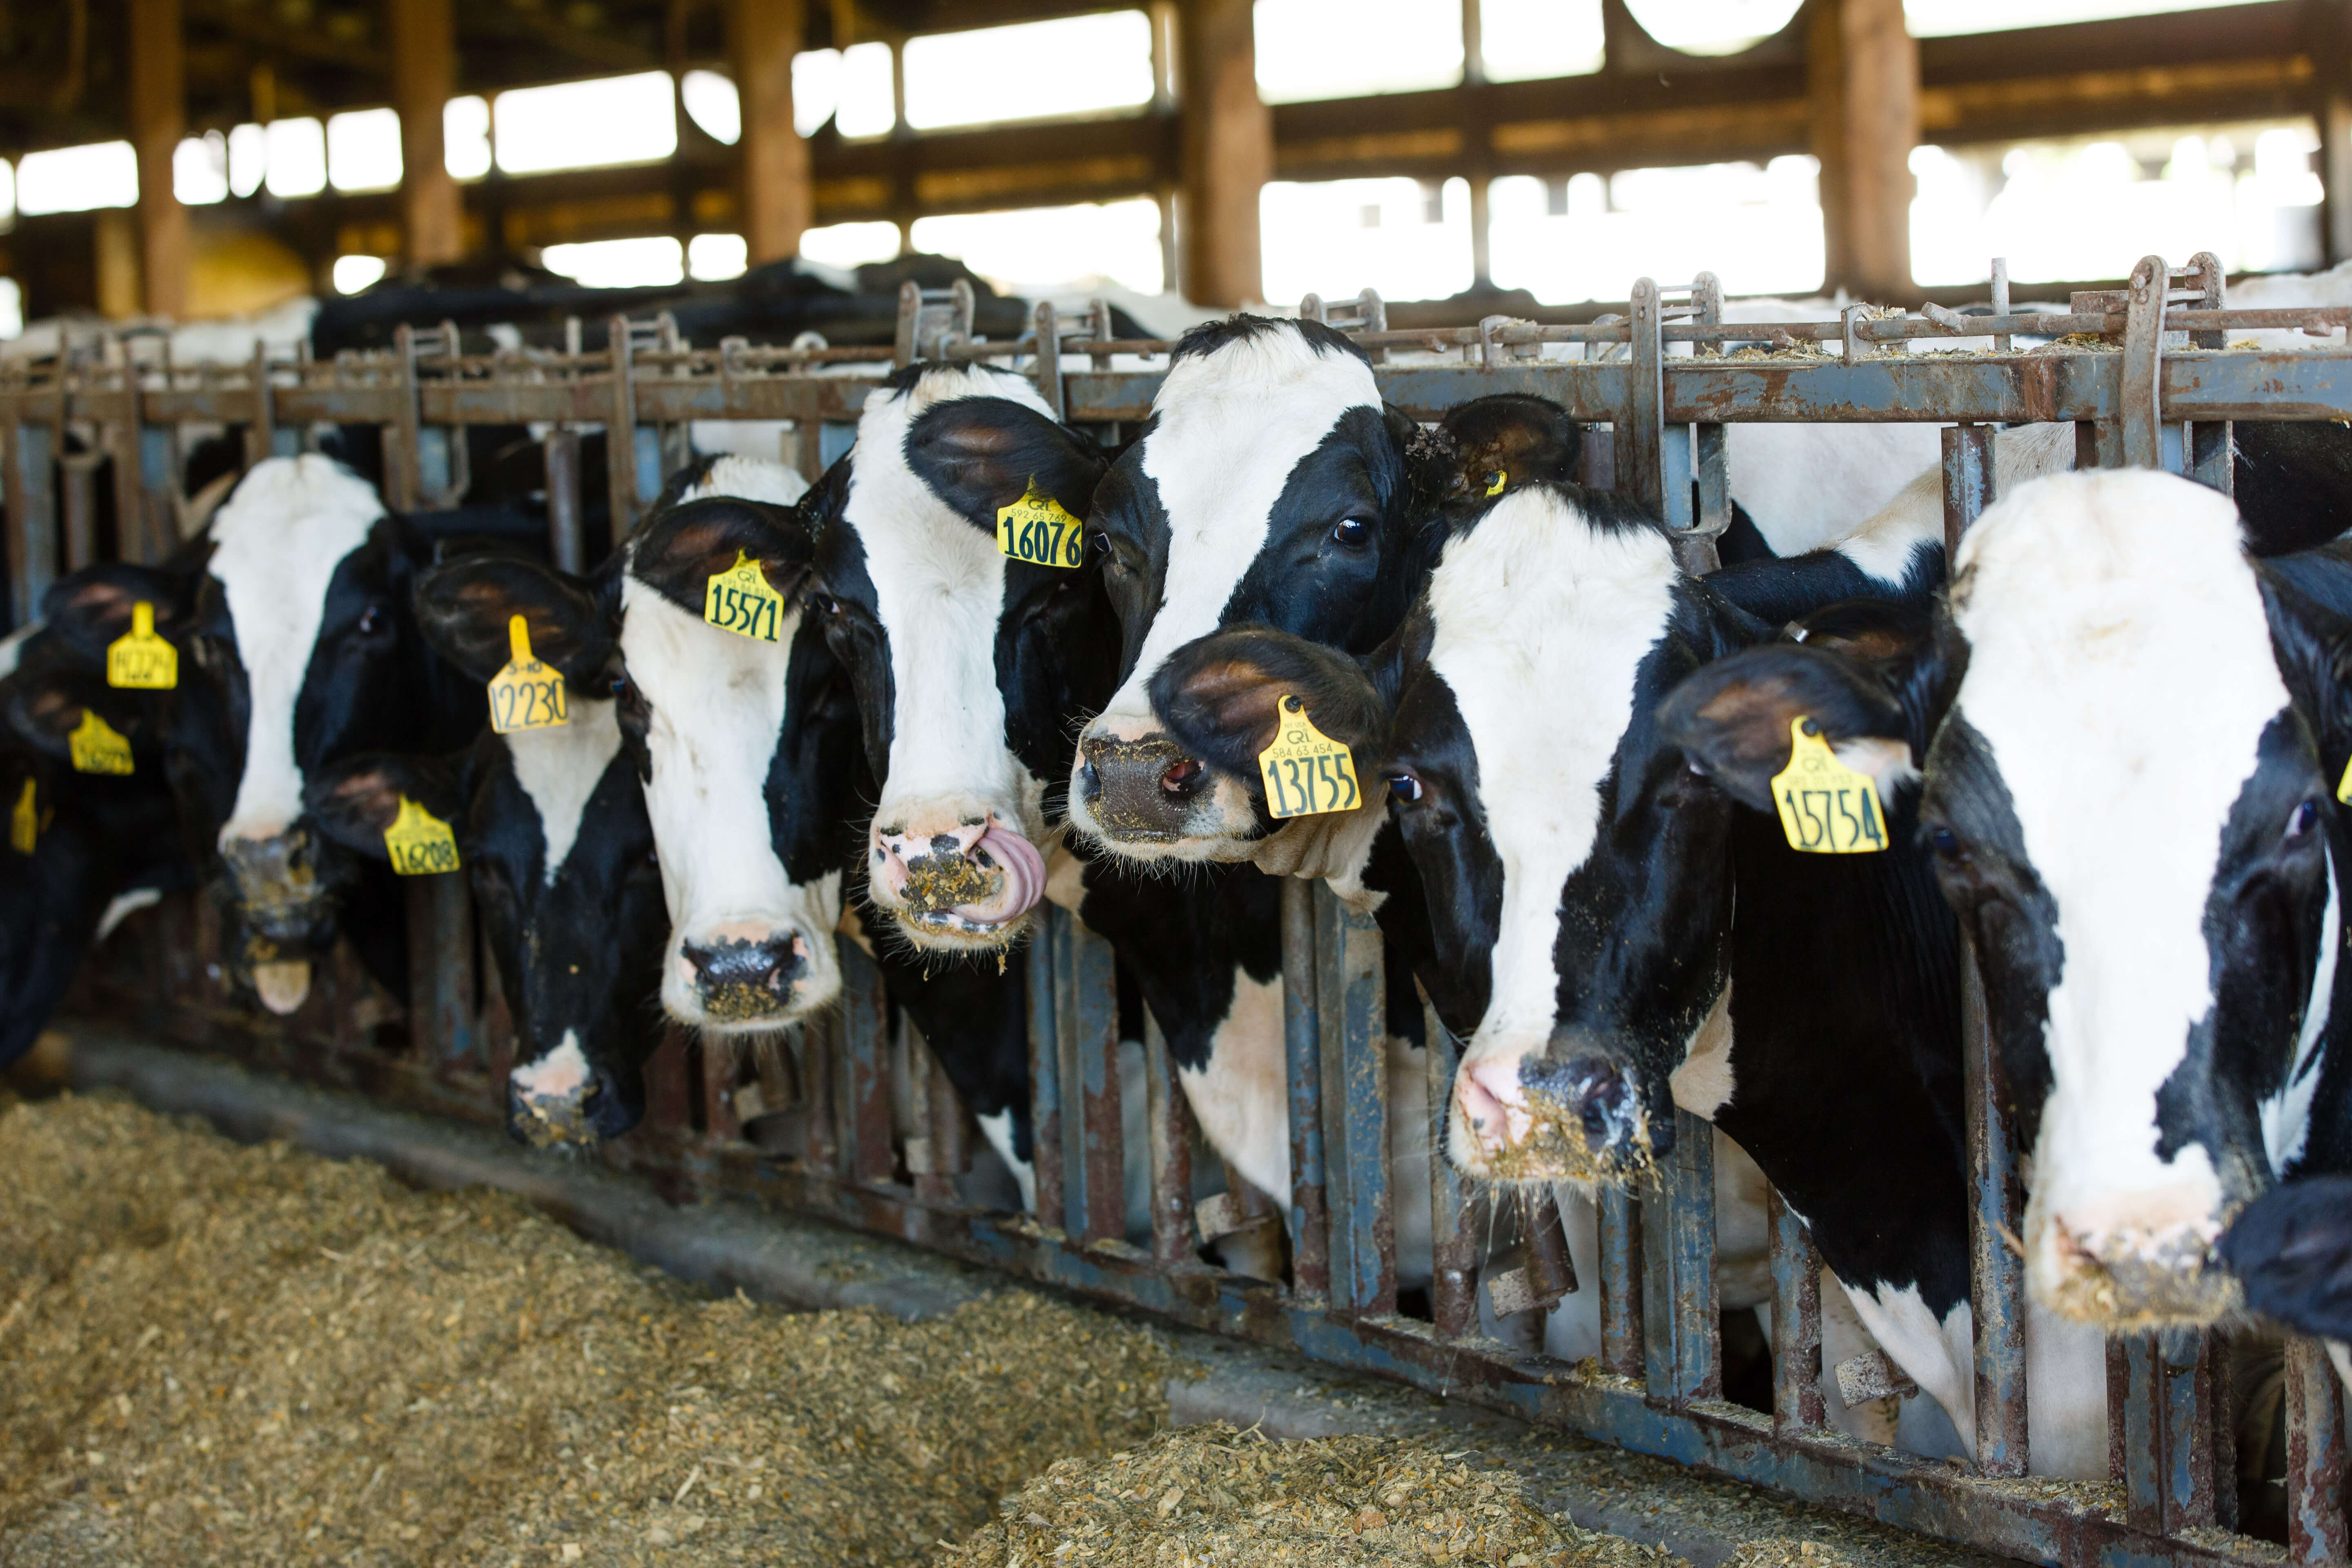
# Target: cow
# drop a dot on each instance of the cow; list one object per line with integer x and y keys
{"x": 1579, "y": 877}
{"x": 2131, "y": 730}
{"x": 297, "y": 645}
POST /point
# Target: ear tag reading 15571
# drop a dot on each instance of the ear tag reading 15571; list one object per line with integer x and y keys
{"x": 1040, "y": 529}
{"x": 1826, "y": 807}
{"x": 738, "y": 600}
{"x": 420, "y": 843}
{"x": 139, "y": 659}
{"x": 97, "y": 747}
{"x": 1307, "y": 772}
{"x": 25, "y": 823}
{"x": 526, "y": 694}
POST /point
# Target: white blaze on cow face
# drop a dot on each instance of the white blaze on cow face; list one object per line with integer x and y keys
{"x": 559, "y": 770}
{"x": 748, "y": 948}
{"x": 1230, "y": 426}
{"x": 2121, "y": 675}
{"x": 275, "y": 546}
{"x": 1540, "y": 621}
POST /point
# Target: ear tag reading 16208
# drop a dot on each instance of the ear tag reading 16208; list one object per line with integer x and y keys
{"x": 25, "y": 823}
{"x": 97, "y": 747}
{"x": 1307, "y": 772}
{"x": 526, "y": 694}
{"x": 738, "y": 600}
{"x": 419, "y": 843}
{"x": 1040, "y": 529}
{"x": 139, "y": 659}
{"x": 1826, "y": 807}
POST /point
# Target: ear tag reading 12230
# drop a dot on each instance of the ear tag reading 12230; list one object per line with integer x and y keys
{"x": 25, "y": 823}
{"x": 420, "y": 843}
{"x": 141, "y": 660}
{"x": 1826, "y": 807}
{"x": 1040, "y": 529}
{"x": 97, "y": 747}
{"x": 738, "y": 600}
{"x": 1307, "y": 772}
{"x": 526, "y": 694}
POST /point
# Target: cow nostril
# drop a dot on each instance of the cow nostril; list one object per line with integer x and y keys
{"x": 1181, "y": 778}
{"x": 945, "y": 844}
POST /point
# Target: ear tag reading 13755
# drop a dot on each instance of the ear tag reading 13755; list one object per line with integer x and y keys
{"x": 526, "y": 694}
{"x": 1039, "y": 529}
{"x": 1826, "y": 807}
{"x": 738, "y": 600}
{"x": 25, "y": 823}
{"x": 97, "y": 747}
{"x": 141, "y": 660}
{"x": 1307, "y": 772}
{"x": 420, "y": 843}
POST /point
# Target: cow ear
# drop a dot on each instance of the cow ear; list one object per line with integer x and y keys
{"x": 2292, "y": 1248}
{"x": 1732, "y": 718}
{"x": 354, "y": 800}
{"x": 1220, "y": 696}
{"x": 1502, "y": 442}
{"x": 90, "y": 608}
{"x": 45, "y": 707}
{"x": 465, "y": 606}
{"x": 682, "y": 549}
{"x": 982, "y": 454}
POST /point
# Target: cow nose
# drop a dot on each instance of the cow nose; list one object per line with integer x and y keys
{"x": 2146, "y": 1262}
{"x": 740, "y": 980}
{"x": 1141, "y": 789}
{"x": 550, "y": 1116}
{"x": 1592, "y": 1091}
{"x": 975, "y": 877}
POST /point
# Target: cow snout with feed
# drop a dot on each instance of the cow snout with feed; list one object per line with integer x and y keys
{"x": 1567, "y": 1110}
{"x": 288, "y": 912}
{"x": 976, "y": 876}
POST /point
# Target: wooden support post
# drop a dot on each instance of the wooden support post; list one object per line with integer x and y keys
{"x": 1228, "y": 150}
{"x": 778, "y": 192}
{"x": 159, "y": 118}
{"x": 1863, "y": 78}
{"x": 423, "y": 79}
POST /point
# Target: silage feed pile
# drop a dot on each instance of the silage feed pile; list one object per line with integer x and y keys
{"x": 211, "y": 1353}
{"x": 1210, "y": 1497}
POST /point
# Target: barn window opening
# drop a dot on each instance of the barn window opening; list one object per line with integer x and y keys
{"x": 1310, "y": 49}
{"x": 586, "y": 124}
{"x": 78, "y": 179}
{"x": 712, "y": 103}
{"x": 465, "y": 137}
{"x": 363, "y": 150}
{"x": 353, "y": 273}
{"x": 1757, "y": 227}
{"x": 1320, "y": 238}
{"x": 1036, "y": 250}
{"x": 248, "y": 158}
{"x": 712, "y": 257}
{"x": 12, "y": 308}
{"x": 649, "y": 262}
{"x": 850, "y": 86}
{"x": 1522, "y": 40}
{"x": 200, "y": 170}
{"x": 1097, "y": 63}
{"x": 1937, "y": 18}
{"x": 295, "y": 158}
{"x": 1712, "y": 26}
{"x": 849, "y": 245}
{"x": 8, "y": 196}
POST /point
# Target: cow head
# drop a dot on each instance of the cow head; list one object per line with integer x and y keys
{"x": 746, "y": 748}
{"x": 1271, "y": 487}
{"x": 970, "y": 666}
{"x": 2136, "y": 731}
{"x": 552, "y": 831}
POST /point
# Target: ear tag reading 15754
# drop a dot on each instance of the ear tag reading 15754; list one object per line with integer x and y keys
{"x": 1826, "y": 807}
{"x": 526, "y": 694}
{"x": 1040, "y": 529}
{"x": 420, "y": 843}
{"x": 97, "y": 747}
{"x": 738, "y": 600}
{"x": 25, "y": 823}
{"x": 1307, "y": 772}
{"x": 139, "y": 659}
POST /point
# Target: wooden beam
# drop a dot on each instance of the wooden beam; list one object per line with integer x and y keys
{"x": 424, "y": 80}
{"x": 158, "y": 120}
{"x": 778, "y": 191}
{"x": 1862, "y": 72}
{"x": 1226, "y": 150}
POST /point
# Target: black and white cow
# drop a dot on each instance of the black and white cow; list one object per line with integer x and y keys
{"x": 2131, "y": 730}
{"x": 1579, "y": 880}
{"x": 297, "y": 647}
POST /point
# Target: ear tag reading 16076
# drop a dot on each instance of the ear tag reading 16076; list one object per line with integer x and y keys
{"x": 419, "y": 843}
{"x": 1826, "y": 807}
{"x": 738, "y": 600}
{"x": 526, "y": 694}
{"x": 139, "y": 659}
{"x": 25, "y": 823}
{"x": 1307, "y": 772}
{"x": 97, "y": 747}
{"x": 1040, "y": 529}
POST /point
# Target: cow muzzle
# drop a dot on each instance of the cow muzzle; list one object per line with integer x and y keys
{"x": 1550, "y": 1116}
{"x": 1139, "y": 793}
{"x": 286, "y": 911}
{"x": 966, "y": 884}
{"x": 562, "y": 1100}
{"x": 2127, "y": 1264}
{"x": 745, "y": 977}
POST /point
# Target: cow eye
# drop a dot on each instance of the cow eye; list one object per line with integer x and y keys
{"x": 1946, "y": 844}
{"x": 1355, "y": 532}
{"x": 2303, "y": 819}
{"x": 1404, "y": 788}
{"x": 371, "y": 620}
{"x": 825, "y": 604}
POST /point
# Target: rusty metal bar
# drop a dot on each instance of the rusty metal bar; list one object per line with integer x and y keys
{"x": 1797, "y": 1402}
{"x": 1682, "y": 1360}
{"x": 1996, "y": 1267}
{"x": 1352, "y": 1017}
{"x": 1086, "y": 1000}
{"x": 2315, "y": 1455}
{"x": 1310, "y": 1254}
{"x": 934, "y": 1181}
{"x": 1168, "y": 1117}
{"x": 951, "y": 1140}
{"x": 565, "y": 544}
{"x": 1641, "y": 422}
{"x": 1622, "y": 1338}
{"x": 1453, "y": 1259}
{"x": 1048, "y": 369}
{"x": 621, "y": 430}
{"x": 719, "y": 1121}
{"x": 2140, "y": 388}
{"x": 32, "y": 517}
{"x": 866, "y": 1057}
{"x": 1045, "y": 1065}
{"x": 1968, "y": 479}
{"x": 819, "y": 1101}
{"x": 81, "y": 470}
{"x": 2171, "y": 1477}
{"x": 261, "y": 415}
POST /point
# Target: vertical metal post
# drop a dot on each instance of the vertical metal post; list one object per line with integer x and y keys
{"x": 32, "y": 517}
{"x": 2315, "y": 1455}
{"x": 562, "y": 452}
{"x": 820, "y": 1136}
{"x": 2171, "y": 1479}
{"x": 717, "y": 1084}
{"x": 2000, "y": 340}
{"x": 950, "y": 1148}
{"x": 261, "y": 432}
{"x": 2141, "y": 394}
{"x": 158, "y": 457}
{"x": 1679, "y": 1307}
{"x": 1168, "y": 1117}
{"x": 1619, "y": 1216}
{"x": 2207, "y": 452}
{"x": 80, "y": 471}
{"x": 621, "y": 431}
{"x": 1639, "y": 466}
{"x": 1797, "y": 1403}
{"x": 1086, "y": 1003}
{"x": 1452, "y": 1263}
{"x": 1046, "y": 1065}
{"x": 932, "y": 1183}
{"x": 1996, "y": 1217}
{"x": 1968, "y": 479}
{"x": 1310, "y": 1253}
{"x": 1352, "y": 1017}
{"x": 1049, "y": 357}
{"x": 808, "y": 437}
{"x": 865, "y": 1054}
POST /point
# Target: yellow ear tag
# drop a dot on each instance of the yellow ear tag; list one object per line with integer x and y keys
{"x": 526, "y": 694}
{"x": 1307, "y": 772}
{"x": 1826, "y": 807}
{"x": 738, "y": 600}
{"x": 420, "y": 843}
{"x": 25, "y": 823}
{"x": 1040, "y": 529}
{"x": 141, "y": 660}
{"x": 97, "y": 747}
{"x": 1497, "y": 480}
{"x": 2343, "y": 786}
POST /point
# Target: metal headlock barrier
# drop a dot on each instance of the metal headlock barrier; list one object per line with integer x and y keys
{"x": 2120, "y": 368}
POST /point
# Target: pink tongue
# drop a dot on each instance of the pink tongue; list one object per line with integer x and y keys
{"x": 1025, "y": 877}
